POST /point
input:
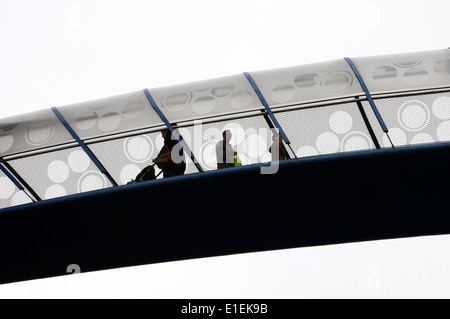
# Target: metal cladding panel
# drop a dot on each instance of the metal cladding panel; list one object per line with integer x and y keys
{"x": 31, "y": 131}
{"x": 228, "y": 95}
{"x": 112, "y": 115}
{"x": 416, "y": 119}
{"x": 333, "y": 129}
{"x": 60, "y": 173}
{"x": 10, "y": 195}
{"x": 405, "y": 72}
{"x": 314, "y": 82}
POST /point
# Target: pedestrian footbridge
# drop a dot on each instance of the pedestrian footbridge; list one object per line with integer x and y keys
{"x": 368, "y": 142}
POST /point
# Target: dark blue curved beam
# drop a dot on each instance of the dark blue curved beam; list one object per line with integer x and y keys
{"x": 367, "y": 122}
{"x": 269, "y": 111}
{"x": 84, "y": 146}
{"x": 11, "y": 178}
{"x": 369, "y": 98}
{"x": 20, "y": 183}
{"x": 172, "y": 130}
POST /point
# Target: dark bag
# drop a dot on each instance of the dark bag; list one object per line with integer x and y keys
{"x": 147, "y": 174}
{"x": 163, "y": 160}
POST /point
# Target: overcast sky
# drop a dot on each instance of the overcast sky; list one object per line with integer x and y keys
{"x": 58, "y": 52}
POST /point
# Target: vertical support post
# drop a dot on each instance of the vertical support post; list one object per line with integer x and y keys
{"x": 83, "y": 146}
{"x": 172, "y": 130}
{"x": 269, "y": 111}
{"x": 369, "y": 98}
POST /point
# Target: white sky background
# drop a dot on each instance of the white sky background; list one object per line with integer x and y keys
{"x": 55, "y": 53}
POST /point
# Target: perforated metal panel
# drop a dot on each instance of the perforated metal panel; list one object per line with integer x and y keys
{"x": 61, "y": 173}
{"x": 326, "y": 130}
{"x": 251, "y": 138}
{"x": 400, "y": 72}
{"x": 111, "y": 115}
{"x": 417, "y": 119}
{"x": 31, "y": 131}
{"x": 132, "y": 154}
{"x": 314, "y": 82}
{"x": 209, "y": 98}
{"x": 10, "y": 195}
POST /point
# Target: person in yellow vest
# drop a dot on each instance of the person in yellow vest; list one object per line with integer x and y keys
{"x": 224, "y": 152}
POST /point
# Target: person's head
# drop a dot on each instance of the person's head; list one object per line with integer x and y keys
{"x": 164, "y": 133}
{"x": 226, "y": 135}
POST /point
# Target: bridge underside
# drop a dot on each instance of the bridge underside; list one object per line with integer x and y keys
{"x": 324, "y": 200}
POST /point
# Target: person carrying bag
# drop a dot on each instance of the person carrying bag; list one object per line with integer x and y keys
{"x": 165, "y": 158}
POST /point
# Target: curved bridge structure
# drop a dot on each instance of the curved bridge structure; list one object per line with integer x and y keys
{"x": 368, "y": 158}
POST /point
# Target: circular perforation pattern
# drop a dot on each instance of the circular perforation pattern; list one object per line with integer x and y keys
{"x": 39, "y": 133}
{"x": 6, "y": 142}
{"x": 416, "y": 120}
{"x": 10, "y": 195}
{"x": 204, "y": 99}
{"x": 75, "y": 166}
{"x": 326, "y": 130}
{"x": 412, "y": 70}
{"x": 413, "y": 115}
{"x": 120, "y": 113}
{"x": 7, "y": 188}
{"x": 330, "y": 83}
{"x": 138, "y": 149}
